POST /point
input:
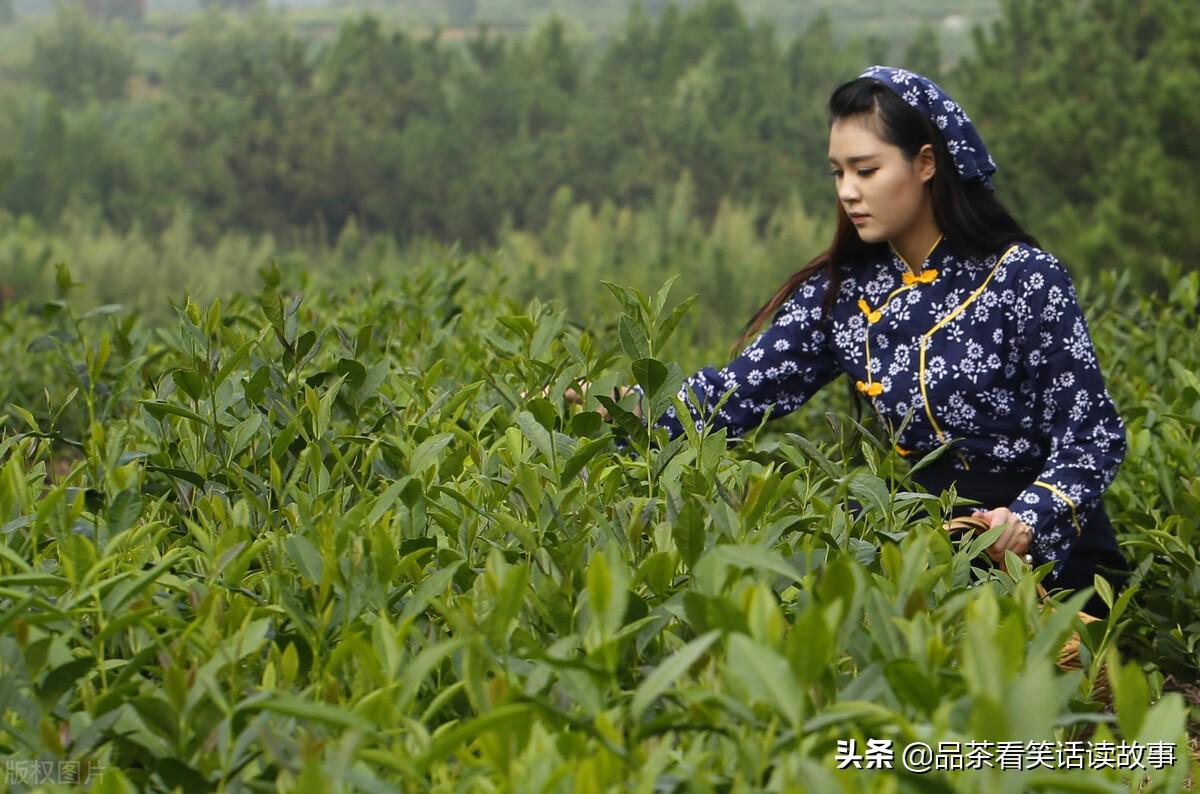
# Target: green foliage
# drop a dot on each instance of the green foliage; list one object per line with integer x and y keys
{"x": 579, "y": 247}
{"x": 251, "y": 124}
{"x": 1096, "y": 97}
{"x": 321, "y": 539}
{"x": 78, "y": 61}
{"x": 255, "y": 128}
{"x": 311, "y": 532}
{"x": 924, "y": 54}
{"x": 1156, "y": 385}
{"x": 132, "y": 268}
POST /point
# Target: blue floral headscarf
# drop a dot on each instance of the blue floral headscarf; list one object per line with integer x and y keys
{"x": 970, "y": 155}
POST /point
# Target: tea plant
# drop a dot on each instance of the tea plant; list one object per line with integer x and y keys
{"x": 323, "y": 543}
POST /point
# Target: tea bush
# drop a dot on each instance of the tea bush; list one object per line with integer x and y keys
{"x": 727, "y": 264}
{"x": 335, "y": 541}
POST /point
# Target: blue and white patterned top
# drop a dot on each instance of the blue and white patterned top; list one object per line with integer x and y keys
{"x": 993, "y": 353}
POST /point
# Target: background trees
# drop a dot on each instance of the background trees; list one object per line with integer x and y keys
{"x": 75, "y": 60}
{"x": 253, "y": 126}
{"x": 1090, "y": 110}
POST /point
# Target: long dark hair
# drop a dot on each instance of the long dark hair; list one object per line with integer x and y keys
{"x": 968, "y": 213}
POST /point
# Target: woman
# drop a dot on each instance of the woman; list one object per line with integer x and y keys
{"x": 935, "y": 301}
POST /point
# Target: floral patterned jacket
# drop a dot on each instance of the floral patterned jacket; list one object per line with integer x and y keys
{"x": 992, "y": 353}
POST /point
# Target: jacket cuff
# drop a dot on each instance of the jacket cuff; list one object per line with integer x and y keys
{"x": 1053, "y": 517}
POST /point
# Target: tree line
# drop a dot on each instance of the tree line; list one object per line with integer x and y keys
{"x": 1086, "y": 105}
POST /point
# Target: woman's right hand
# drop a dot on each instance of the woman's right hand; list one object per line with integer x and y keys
{"x": 1017, "y": 536}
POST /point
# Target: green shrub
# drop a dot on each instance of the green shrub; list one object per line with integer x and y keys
{"x": 323, "y": 542}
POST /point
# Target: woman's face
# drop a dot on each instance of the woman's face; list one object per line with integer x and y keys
{"x": 879, "y": 188}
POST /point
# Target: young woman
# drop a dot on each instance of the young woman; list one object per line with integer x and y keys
{"x": 934, "y": 300}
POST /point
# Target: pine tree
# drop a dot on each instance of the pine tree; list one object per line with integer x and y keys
{"x": 924, "y": 53}
{"x": 1088, "y": 107}
{"x": 76, "y": 60}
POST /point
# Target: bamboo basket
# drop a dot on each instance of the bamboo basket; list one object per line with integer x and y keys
{"x": 1068, "y": 654}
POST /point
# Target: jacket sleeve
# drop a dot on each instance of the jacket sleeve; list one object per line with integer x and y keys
{"x": 784, "y": 366}
{"x": 1072, "y": 412}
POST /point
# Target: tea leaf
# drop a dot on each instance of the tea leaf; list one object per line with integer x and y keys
{"x": 124, "y": 510}
{"x": 305, "y": 557}
{"x": 765, "y": 675}
{"x": 291, "y": 706}
{"x": 665, "y": 675}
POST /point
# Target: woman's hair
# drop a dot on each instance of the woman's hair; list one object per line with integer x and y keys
{"x": 968, "y": 213}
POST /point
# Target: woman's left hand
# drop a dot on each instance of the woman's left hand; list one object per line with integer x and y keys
{"x": 1017, "y": 537}
{"x": 577, "y": 398}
